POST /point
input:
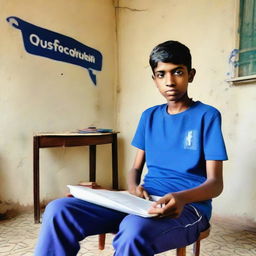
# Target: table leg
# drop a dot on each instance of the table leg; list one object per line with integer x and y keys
{"x": 92, "y": 163}
{"x": 114, "y": 163}
{"x": 36, "y": 180}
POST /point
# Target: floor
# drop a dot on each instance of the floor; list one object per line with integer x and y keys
{"x": 18, "y": 237}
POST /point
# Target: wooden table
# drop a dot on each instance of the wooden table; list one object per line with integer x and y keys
{"x": 48, "y": 140}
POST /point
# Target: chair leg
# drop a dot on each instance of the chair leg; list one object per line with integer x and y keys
{"x": 196, "y": 248}
{"x": 181, "y": 251}
{"x": 102, "y": 238}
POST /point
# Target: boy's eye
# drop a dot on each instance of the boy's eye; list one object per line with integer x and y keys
{"x": 159, "y": 75}
{"x": 178, "y": 72}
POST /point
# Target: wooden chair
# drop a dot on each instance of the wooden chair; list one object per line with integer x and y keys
{"x": 196, "y": 245}
{"x": 179, "y": 251}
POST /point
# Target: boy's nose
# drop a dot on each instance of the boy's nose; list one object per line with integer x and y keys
{"x": 169, "y": 80}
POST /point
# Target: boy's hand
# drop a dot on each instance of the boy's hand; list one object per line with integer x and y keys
{"x": 169, "y": 205}
{"x": 140, "y": 192}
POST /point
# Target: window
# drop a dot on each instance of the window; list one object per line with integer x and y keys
{"x": 243, "y": 59}
{"x": 247, "y": 33}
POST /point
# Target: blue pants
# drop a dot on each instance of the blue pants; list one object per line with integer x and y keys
{"x": 67, "y": 221}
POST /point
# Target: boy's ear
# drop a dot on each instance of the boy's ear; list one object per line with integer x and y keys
{"x": 191, "y": 75}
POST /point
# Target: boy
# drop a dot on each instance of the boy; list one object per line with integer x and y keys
{"x": 182, "y": 143}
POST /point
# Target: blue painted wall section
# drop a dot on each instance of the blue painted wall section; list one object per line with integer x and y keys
{"x": 49, "y": 44}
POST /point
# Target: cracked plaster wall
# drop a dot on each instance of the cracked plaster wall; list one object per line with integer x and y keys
{"x": 209, "y": 29}
{"x": 39, "y": 94}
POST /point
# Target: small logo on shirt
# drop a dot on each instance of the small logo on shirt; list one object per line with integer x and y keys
{"x": 190, "y": 141}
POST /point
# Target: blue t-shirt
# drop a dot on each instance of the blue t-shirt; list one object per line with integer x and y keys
{"x": 177, "y": 147}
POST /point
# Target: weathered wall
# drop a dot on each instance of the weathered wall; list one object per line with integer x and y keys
{"x": 40, "y": 94}
{"x": 209, "y": 29}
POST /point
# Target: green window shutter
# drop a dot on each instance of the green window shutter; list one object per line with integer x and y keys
{"x": 247, "y": 30}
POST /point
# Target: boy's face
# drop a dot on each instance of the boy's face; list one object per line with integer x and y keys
{"x": 172, "y": 80}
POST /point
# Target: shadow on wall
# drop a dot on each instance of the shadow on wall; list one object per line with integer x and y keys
{"x": 123, "y": 147}
{"x": 62, "y": 166}
{"x": 8, "y": 209}
{"x": 4, "y": 206}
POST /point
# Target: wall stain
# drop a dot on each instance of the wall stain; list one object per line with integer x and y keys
{"x": 20, "y": 164}
{"x": 118, "y": 89}
{"x": 9, "y": 209}
{"x": 97, "y": 107}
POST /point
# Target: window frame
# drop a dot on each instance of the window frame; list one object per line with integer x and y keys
{"x": 234, "y": 74}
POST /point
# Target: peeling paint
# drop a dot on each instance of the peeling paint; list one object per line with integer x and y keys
{"x": 233, "y": 63}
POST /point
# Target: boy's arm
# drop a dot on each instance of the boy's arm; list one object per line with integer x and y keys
{"x": 134, "y": 175}
{"x": 174, "y": 202}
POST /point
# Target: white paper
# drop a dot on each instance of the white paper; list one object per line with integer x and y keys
{"x": 116, "y": 200}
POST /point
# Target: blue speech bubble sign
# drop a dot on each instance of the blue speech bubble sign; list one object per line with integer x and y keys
{"x": 49, "y": 44}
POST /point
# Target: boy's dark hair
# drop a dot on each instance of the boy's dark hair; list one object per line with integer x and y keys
{"x": 170, "y": 52}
